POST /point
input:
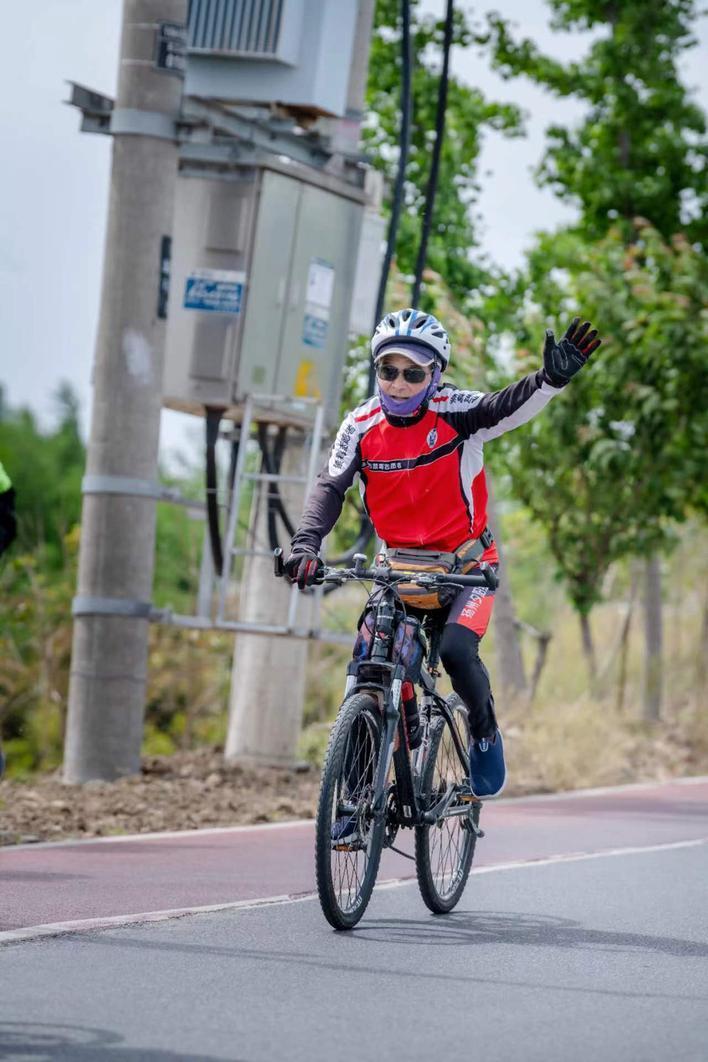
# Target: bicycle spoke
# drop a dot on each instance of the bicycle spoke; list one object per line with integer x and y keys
{"x": 447, "y": 841}
{"x": 354, "y": 788}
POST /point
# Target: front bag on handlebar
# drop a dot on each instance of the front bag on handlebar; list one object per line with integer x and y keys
{"x": 429, "y": 562}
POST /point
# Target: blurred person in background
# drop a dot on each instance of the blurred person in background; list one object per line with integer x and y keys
{"x": 8, "y": 531}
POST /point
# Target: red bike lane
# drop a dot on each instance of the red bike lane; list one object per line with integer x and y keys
{"x": 99, "y": 879}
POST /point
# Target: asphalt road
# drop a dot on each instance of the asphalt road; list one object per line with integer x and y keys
{"x": 601, "y": 958}
{"x": 50, "y": 884}
{"x": 601, "y": 955}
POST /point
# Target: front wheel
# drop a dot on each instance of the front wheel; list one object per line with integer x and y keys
{"x": 348, "y": 839}
{"x": 444, "y": 851}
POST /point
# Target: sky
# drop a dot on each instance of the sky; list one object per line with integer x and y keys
{"x": 54, "y": 185}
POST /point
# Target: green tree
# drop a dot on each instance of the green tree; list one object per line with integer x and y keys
{"x": 46, "y": 467}
{"x": 617, "y": 458}
{"x": 640, "y": 150}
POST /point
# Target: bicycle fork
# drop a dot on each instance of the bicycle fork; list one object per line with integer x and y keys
{"x": 392, "y": 703}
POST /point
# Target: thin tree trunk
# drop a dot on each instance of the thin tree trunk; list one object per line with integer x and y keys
{"x": 613, "y": 655}
{"x": 588, "y": 648}
{"x": 623, "y": 646}
{"x": 510, "y": 662}
{"x": 653, "y": 639}
{"x": 622, "y": 671}
{"x": 541, "y": 652}
{"x": 702, "y": 662}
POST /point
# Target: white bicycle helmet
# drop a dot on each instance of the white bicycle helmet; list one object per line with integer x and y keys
{"x": 411, "y": 325}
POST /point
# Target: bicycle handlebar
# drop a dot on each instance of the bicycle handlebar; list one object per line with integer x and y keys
{"x": 484, "y": 575}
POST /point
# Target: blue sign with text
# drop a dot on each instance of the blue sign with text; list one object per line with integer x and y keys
{"x": 314, "y": 333}
{"x": 217, "y": 291}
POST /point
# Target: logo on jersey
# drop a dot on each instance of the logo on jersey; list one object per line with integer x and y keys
{"x": 432, "y": 438}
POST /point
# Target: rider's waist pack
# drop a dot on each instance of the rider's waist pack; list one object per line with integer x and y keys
{"x": 461, "y": 561}
{"x": 408, "y": 645}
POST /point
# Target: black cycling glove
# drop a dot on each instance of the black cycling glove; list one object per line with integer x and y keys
{"x": 562, "y": 360}
{"x": 304, "y": 568}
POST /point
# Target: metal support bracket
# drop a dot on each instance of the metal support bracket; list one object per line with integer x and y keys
{"x": 143, "y": 123}
{"x": 128, "y": 486}
{"x": 84, "y": 605}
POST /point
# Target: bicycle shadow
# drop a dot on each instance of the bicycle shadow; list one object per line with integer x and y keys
{"x": 42, "y": 1041}
{"x": 521, "y": 930}
{"x": 537, "y": 932}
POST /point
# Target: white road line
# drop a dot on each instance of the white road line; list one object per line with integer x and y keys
{"x": 57, "y": 929}
{"x": 538, "y": 798}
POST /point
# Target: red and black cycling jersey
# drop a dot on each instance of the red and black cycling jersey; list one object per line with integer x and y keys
{"x": 421, "y": 478}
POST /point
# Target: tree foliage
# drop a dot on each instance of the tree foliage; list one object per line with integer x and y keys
{"x": 640, "y": 150}
{"x": 617, "y": 458}
{"x": 38, "y": 582}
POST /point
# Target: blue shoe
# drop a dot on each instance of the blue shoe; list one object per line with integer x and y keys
{"x": 343, "y": 827}
{"x": 487, "y": 767}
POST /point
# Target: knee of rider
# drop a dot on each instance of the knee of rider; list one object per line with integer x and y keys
{"x": 458, "y": 649}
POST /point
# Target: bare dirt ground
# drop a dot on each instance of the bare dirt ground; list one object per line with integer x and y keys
{"x": 187, "y": 791}
{"x": 192, "y": 790}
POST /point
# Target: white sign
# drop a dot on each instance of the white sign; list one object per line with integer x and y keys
{"x": 320, "y": 283}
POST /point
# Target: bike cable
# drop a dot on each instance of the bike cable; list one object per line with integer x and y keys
{"x": 212, "y": 422}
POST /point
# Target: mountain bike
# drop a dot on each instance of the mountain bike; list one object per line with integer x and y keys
{"x": 373, "y": 782}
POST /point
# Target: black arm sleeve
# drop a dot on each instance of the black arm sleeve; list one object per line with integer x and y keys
{"x": 490, "y": 415}
{"x": 325, "y": 501}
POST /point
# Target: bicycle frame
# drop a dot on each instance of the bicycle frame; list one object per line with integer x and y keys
{"x": 384, "y": 679}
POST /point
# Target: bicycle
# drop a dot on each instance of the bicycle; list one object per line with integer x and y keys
{"x": 361, "y": 807}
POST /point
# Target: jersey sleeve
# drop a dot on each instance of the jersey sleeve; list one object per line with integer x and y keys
{"x": 489, "y": 415}
{"x": 325, "y": 500}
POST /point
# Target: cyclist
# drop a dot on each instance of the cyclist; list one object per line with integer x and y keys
{"x": 417, "y": 446}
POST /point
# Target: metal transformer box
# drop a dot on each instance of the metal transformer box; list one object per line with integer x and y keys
{"x": 262, "y": 272}
{"x": 256, "y": 51}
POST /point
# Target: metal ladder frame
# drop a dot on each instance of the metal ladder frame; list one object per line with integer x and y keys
{"x": 231, "y": 550}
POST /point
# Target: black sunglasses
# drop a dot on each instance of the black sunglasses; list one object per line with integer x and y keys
{"x": 391, "y": 373}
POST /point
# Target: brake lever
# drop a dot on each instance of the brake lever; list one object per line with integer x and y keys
{"x": 490, "y": 576}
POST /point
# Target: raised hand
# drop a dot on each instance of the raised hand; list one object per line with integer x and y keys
{"x": 562, "y": 360}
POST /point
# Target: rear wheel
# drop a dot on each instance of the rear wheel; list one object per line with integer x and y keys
{"x": 347, "y": 855}
{"x": 444, "y": 851}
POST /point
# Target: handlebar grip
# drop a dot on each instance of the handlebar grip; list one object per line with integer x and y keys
{"x": 490, "y": 576}
{"x": 278, "y": 563}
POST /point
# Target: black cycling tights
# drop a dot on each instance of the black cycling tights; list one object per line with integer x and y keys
{"x": 459, "y": 653}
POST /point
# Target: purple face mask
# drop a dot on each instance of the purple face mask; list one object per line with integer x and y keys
{"x": 406, "y": 407}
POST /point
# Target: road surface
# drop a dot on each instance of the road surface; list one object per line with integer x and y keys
{"x": 582, "y": 934}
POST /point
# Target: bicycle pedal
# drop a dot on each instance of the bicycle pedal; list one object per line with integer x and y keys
{"x": 468, "y": 798}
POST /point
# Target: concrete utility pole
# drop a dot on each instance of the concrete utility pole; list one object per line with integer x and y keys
{"x": 109, "y": 655}
{"x": 268, "y": 678}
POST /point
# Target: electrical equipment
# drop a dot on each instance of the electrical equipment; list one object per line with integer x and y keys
{"x": 295, "y": 52}
{"x": 262, "y": 274}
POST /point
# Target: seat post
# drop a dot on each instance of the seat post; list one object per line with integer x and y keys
{"x": 434, "y": 631}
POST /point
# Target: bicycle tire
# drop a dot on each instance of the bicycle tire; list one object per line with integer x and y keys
{"x": 444, "y": 852}
{"x": 356, "y": 739}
